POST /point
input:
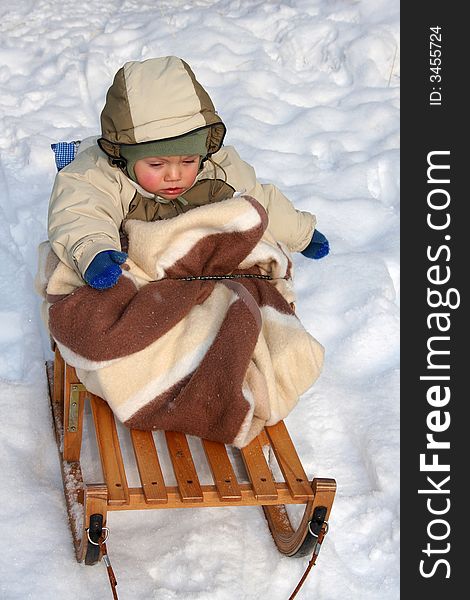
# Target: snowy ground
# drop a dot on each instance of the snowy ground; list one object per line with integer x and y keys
{"x": 309, "y": 91}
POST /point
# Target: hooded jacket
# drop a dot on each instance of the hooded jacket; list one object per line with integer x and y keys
{"x": 153, "y": 100}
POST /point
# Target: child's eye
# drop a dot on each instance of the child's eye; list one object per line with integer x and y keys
{"x": 189, "y": 161}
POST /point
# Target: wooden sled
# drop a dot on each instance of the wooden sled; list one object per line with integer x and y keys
{"x": 88, "y": 503}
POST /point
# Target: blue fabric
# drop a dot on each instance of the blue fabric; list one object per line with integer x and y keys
{"x": 104, "y": 270}
{"x": 64, "y": 153}
{"x": 318, "y": 247}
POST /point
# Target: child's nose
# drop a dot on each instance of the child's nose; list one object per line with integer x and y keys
{"x": 173, "y": 173}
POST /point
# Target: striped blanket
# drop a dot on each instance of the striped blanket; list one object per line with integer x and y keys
{"x": 171, "y": 347}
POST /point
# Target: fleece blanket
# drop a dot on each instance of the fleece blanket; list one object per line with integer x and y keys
{"x": 199, "y": 335}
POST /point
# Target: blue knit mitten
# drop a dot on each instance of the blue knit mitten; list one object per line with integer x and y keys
{"x": 318, "y": 247}
{"x": 104, "y": 270}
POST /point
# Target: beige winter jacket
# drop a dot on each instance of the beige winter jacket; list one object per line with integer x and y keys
{"x": 153, "y": 100}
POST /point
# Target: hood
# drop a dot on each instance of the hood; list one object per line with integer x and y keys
{"x": 156, "y": 99}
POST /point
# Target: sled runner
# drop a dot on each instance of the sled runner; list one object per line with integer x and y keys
{"x": 89, "y": 502}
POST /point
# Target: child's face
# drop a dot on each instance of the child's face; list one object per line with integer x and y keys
{"x": 167, "y": 176}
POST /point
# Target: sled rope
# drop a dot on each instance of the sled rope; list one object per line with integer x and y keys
{"x": 316, "y": 552}
{"x": 215, "y": 277}
{"x": 240, "y": 276}
{"x": 109, "y": 568}
{"x": 104, "y": 555}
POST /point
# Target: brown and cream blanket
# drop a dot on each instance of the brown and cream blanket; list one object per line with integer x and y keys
{"x": 167, "y": 349}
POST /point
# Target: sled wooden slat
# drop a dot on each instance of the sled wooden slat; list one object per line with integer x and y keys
{"x": 222, "y": 471}
{"x": 110, "y": 451}
{"x": 258, "y": 471}
{"x": 73, "y": 438}
{"x": 183, "y": 467}
{"x": 263, "y": 438}
{"x": 210, "y": 495}
{"x": 59, "y": 377}
{"x": 148, "y": 465}
{"x": 289, "y": 461}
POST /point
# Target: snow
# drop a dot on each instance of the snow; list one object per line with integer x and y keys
{"x": 309, "y": 90}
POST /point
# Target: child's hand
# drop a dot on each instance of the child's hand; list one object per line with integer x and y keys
{"x": 104, "y": 270}
{"x": 318, "y": 247}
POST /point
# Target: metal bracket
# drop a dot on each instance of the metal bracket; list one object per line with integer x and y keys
{"x": 75, "y": 389}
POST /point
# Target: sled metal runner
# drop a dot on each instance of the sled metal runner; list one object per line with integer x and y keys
{"x": 88, "y": 503}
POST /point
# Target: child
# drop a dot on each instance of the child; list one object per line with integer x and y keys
{"x": 199, "y": 335}
{"x": 160, "y": 154}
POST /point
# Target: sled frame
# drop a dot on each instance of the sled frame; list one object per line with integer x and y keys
{"x": 88, "y": 501}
